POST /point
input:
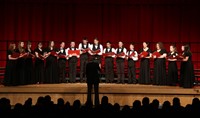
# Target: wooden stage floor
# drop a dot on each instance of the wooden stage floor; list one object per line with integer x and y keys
{"x": 124, "y": 94}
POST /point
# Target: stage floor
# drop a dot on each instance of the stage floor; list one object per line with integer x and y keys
{"x": 124, "y": 94}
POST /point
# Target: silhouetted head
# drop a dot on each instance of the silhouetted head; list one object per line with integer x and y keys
{"x": 28, "y": 102}
{"x": 18, "y": 107}
{"x": 47, "y": 99}
{"x": 126, "y": 108}
{"x": 5, "y": 104}
{"x": 176, "y": 101}
{"x": 195, "y": 101}
{"x": 104, "y": 100}
{"x": 137, "y": 104}
{"x": 166, "y": 105}
{"x": 155, "y": 103}
{"x": 60, "y": 101}
{"x": 145, "y": 101}
{"x": 116, "y": 107}
{"x": 67, "y": 105}
{"x": 40, "y": 101}
{"x": 77, "y": 104}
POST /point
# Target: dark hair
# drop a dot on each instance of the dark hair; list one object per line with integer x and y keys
{"x": 11, "y": 46}
{"x": 160, "y": 45}
{"x": 187, "y": 48}
{"x": 85, "y": 38}
{"x": 28, "y": 42}
{"x": 132, "y": 44}
{"x": 146, "y": 43}
{"x": 108, "y": 42}
{"x": 39, "y": 43}
{"x": 62, "y": 42}
{"x": 95, "y": 38}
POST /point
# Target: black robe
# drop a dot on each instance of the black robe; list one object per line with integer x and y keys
{"x": 160, "y": 70}
{"x": 39, "y": 67}
{"x": 51, "y": 68}
{"x": 21, "y": 80}
{"x": 187, "y": 72}
{"x": 29, "y": 76}
{"x": 144, "y": 77}
{"x": 172, "y": 77}
{"x": 10, "y": 71}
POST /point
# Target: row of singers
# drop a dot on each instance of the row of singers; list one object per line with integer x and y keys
{"x": 51, "y": 67}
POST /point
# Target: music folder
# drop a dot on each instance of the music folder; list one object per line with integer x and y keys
{"x": 156, "y": 54}
{"x": 73, "y": 52}
{"x": 143, "y": 54}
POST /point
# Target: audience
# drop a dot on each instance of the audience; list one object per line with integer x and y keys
{"x": 45, "y": 107}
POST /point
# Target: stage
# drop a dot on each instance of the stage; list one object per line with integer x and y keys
{"x": 124, "y": 94}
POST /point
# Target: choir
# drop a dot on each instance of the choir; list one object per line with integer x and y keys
{"x": 48, "y": 65}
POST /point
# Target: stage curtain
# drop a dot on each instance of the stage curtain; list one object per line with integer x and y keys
{"x": 168, "y": 21}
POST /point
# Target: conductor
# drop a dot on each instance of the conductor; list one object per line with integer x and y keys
{"x": 92, "y": 74}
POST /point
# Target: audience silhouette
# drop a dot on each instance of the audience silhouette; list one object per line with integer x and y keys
{"x": 45, "y": 107}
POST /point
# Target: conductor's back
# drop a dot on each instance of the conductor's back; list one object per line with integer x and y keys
{"x": 92, "y": 72}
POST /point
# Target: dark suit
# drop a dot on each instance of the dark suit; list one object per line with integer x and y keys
{"x": 109, "y": 73}
{"x": 92, "y": 74}
{"x": 72, "y": 67}
{"x": 83, "y": 62}
{"x": 120, "y": 67}
{"x": 96, "y": 58}
{"x": 62, "y": 67}
{"x": 131, "y": 69}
